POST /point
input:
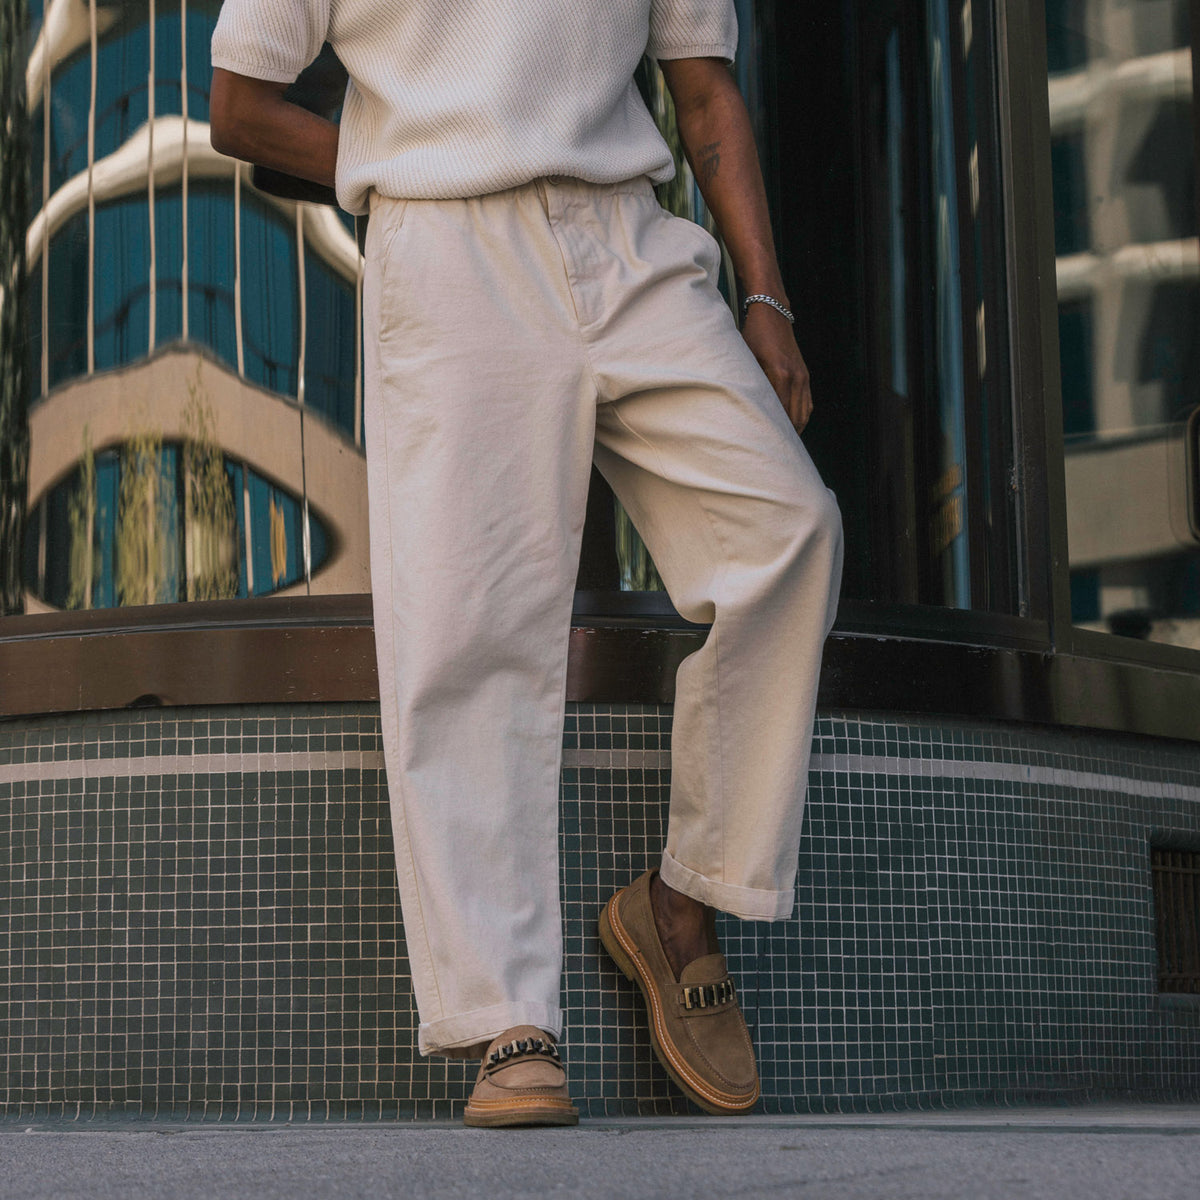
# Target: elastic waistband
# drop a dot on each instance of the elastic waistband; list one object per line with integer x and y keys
{"x": 638, "y": 186}
{"x": 563, "y": 185}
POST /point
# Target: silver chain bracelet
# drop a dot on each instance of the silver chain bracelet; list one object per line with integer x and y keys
{"x": 764, "y": 299}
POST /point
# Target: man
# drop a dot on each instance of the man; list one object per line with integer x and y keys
{"x": 528, "y": 306}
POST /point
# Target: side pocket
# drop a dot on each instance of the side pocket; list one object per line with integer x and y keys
{"x": 393, "y": 213}
{"x": 386, "y": 258}
{"x": 713, "y": 249}
{"x": 710, "y": 254}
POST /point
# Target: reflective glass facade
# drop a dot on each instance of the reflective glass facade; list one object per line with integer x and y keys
{"x": 1128, "y": 268}
{"x": 189, "y": 344}
{"x": 148, "y": 255}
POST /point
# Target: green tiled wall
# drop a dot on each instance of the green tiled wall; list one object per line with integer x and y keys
{"x": 197, "y": 913}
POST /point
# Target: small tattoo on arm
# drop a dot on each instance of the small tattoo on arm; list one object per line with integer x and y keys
{"x": 710, "y": 162}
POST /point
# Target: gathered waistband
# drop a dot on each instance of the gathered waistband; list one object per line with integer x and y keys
{"x": 564, "y": 185}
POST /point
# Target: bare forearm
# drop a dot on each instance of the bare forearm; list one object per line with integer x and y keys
{"x": 252, "y": 121}
{"x": 719, "y": 143}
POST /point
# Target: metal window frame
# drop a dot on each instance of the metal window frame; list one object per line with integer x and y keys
{"x": 320, "y": 649}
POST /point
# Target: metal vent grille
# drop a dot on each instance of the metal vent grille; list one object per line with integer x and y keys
{"x": 1176, "y": 876}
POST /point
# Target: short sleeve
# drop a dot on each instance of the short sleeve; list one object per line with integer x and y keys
{"x": 693, "y": 29}
{"x": 269, "y": 39}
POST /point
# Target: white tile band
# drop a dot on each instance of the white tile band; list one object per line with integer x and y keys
{"x": 613, "y": 760}
{"x": 191, "y": 764}
{"x": 921, "y": 768}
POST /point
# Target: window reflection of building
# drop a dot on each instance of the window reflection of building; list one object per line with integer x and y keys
{"x": 144, "y": 243}
{"x": 164, "y": 294}
{"x": 1129, "y": 306}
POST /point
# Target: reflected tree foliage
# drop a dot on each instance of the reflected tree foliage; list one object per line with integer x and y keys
{"x": 81, "y": 518}
{"x": 144, "y": 538}
{"x": 14, "y": 166}
{"x": 152, "y": 548}
{"x": 211, "y": 519}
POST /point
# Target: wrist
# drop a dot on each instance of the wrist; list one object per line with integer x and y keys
{"x": 761, "y": 274}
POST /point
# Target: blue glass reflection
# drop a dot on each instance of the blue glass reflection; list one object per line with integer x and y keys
{"x": 122, "y": 332}
{"x": 168, "y": 63}
{"x": 123, "y": 87}
{"x": 270, "y": 299}
{"x": 329, "y": 344}
{"x": 951, "y": 540}
{"x": 211, "y": 267}
{"x": 108, "y": 478}
{"x": 270, "y": 295}
{"x": 66, "y": 301}
{"x": 211, "y": 297}
{"x": 37, "y": 154}
{"x": 69, "y": 100}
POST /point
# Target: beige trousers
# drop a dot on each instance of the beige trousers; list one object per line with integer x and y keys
{"x": 511, "y": 338}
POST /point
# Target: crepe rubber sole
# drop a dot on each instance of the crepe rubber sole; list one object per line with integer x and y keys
{"x": 623, "y": 950}
{"x": 519, "y": 1111}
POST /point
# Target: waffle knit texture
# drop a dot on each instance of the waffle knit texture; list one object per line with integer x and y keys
{"x": 455, "y": 98}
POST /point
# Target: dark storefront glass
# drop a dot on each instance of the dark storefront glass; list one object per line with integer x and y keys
{"x": 1128, "y": 268}
{"x": 891, "y": 224}
{"x": 878, "y": 129}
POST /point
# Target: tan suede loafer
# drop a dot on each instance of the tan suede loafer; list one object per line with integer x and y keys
{"x": 696, "y": 1026}
{"x": 521, "y": 1082}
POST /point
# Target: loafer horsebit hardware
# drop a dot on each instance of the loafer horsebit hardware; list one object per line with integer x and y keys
{"x": 709, "y": 995}
{"x": 521, "y": 1047}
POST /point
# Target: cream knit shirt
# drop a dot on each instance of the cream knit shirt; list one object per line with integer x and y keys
{"x": 452, "y": 98}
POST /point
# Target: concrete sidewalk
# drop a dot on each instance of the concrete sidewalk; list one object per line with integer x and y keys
{"x": 1095, "y": 1153}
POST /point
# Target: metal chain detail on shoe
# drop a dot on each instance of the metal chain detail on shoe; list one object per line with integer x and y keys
{"x": 709, "y": 995}
{"x": 521, "y": 1048}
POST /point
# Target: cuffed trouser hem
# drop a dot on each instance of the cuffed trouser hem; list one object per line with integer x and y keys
{"x": 453, "y": 1035}
{"x": 751, "y": 904}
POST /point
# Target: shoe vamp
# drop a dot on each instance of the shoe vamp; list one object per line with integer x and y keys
{"x": 540, "y": 1075}
{"x": 721, "y": 1040}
